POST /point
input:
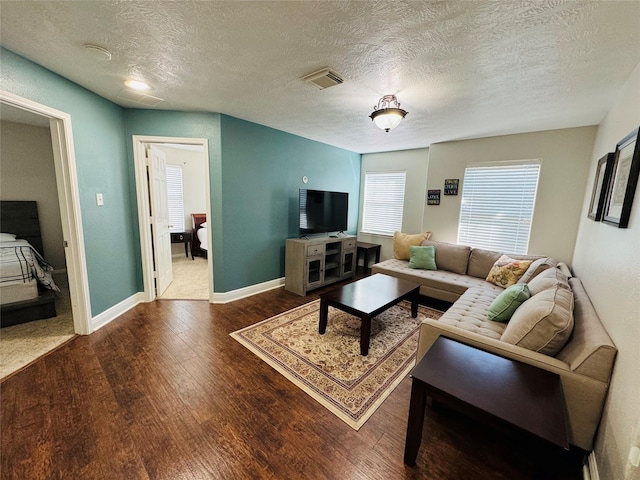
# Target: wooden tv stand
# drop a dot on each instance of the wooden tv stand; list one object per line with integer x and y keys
{"x": 319, "y": 261}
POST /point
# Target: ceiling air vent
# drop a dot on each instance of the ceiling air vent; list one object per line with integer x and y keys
{"x": 142, "y": 98}
{"x": 324, "y": 78}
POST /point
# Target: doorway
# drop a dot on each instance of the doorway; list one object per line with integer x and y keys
{"x": 39, "y": 167}
{"x": 69, "y": 203}
{"x": 170, "y": 268}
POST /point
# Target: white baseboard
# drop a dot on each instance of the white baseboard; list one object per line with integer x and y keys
{"x": 233, "y": 295}
{"x": 127, "y": 304}
{"x": 590, "y": 469}
{"x": 114, "y": 312}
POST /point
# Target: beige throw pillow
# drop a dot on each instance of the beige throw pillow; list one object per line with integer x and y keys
{"x": 548, "y": 279}
{"x": 402, "y": 242}
{"x": 543, "y": 323}
{"x": 507, "y": 271}
{"x": 536, "y": 268}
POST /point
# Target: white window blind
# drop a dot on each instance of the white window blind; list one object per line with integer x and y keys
{"x": 175, "y": 198}
{"x": 383, "y": 202}
{"x": 497, "y": 205}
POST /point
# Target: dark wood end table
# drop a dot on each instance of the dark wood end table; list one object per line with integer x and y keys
{"x": 366, "y": 249}
{"x": 501, "y": 389}
{"x": 367, "y": 298}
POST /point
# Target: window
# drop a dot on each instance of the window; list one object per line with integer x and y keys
{"x": 383, "y": 202}
{"x": 497, "y": 205}
{"x": 175, "y": 198}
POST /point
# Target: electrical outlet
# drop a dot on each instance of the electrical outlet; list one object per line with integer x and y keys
{"x": 99, "y": 199}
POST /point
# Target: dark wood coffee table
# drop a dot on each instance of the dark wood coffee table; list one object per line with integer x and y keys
{"x": 367, "y": 298}
{"x": 492, "y": 387}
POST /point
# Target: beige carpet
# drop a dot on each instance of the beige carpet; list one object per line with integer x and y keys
{"x": 190, "y": 280}
{"x": 329, "y": 367}
{"x": 24, "y": 343}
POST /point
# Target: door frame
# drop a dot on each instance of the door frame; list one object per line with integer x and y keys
{"x": 64, "y": 160}
{"x": 144, "y": 209}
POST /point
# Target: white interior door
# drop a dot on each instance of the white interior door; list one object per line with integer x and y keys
{"x": 160, "y": 225}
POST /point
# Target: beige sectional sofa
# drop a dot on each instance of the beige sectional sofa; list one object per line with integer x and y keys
{"x": 557, "y": 329}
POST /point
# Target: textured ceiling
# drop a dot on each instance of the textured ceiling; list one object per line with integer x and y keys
{"x": 17, "y": 115}
{"x": 462, "y": 69}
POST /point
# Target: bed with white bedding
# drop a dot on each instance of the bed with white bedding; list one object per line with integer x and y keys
{"x": 22, "y": 268}
{"x": 202, "y": 236}
{"x": 199, "y": 246}
{"x": 26, "y": 284}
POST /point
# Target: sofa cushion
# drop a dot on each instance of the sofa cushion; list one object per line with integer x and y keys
{"x": 536, "y": 268}
{"x": 469, "y": 312}
{"x": 507, "y": 271}
{"x": 437, "y": 279}
{"x": 422, "y": 257}
{"x": 402, "y": 242}
{"x": 507, "y": 302}
{"x": 481, "y": 261}
{"x": 450, "y": 257}
{"x": 548, "y": 279}
{"x": 543, "y": 323}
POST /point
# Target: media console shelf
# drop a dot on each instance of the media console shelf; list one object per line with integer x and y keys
{"x": 315, "y": 262}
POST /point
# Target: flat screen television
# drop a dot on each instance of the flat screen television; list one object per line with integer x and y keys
{"x": 322, "y": 211}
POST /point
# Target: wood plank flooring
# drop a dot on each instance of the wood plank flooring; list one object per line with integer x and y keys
{"x": 163, "y": 392}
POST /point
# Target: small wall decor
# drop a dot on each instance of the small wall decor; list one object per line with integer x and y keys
{"x": 433, "y": 197}
{"x": 451, "y": 186}
{"x": 600, "y": 184}
{"x": 623, "y": 182}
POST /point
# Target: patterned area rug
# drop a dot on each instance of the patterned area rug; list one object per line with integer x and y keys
{"x": 329, "y": 367}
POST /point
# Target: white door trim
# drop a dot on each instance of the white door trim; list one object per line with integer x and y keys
{"x": 69, "y": 199}
{"x": 142, "y": 194}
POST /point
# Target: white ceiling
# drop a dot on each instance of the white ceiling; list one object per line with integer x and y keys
{"x": 462, "y": 69}
{"x": 9, "y": 113}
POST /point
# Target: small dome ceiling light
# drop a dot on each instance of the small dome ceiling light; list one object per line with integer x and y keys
{"x": 388, "y": 114}
{"x": 136, "y": 85}
{"x": 98, "y": 52}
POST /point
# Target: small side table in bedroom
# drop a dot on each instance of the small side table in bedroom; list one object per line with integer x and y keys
{"x": 182, "y": 237}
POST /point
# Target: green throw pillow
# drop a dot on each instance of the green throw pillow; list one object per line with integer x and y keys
{"x": 508, "y": 302}
{"x": 422, "y": 257}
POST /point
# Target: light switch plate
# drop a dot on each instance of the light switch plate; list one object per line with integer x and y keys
{"x": 99, "y": 199}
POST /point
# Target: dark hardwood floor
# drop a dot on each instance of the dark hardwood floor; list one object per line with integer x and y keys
{"x": 163, "y": 392}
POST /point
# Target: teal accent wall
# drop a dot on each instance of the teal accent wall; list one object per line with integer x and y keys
{"x": 255, "y": 173}
{"x": 163, "y": 123}
{"x": 262, "y": 171}
{"x": 112, "y": 249}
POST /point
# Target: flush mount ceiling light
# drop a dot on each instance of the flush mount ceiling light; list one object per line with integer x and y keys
{"x": 136, "y": 85}
{"x": 388, "y": 114}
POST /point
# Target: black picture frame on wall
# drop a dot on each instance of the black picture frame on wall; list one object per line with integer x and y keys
{"x": 600, "y": 186}
{"x": 623, "y": 181}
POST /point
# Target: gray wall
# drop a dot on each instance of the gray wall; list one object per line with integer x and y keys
{"x": 607, "y": 259}
{"x": 565, "y": 158}
{"x": 26, "y": 162}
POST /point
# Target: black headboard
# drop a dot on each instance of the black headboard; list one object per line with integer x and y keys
{"x": 21, "y": 219}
